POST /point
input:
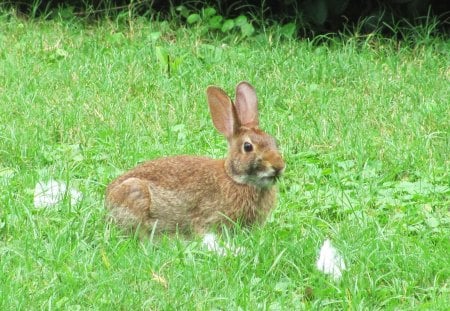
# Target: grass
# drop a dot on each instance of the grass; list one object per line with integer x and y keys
{"x": 363, "y": 124}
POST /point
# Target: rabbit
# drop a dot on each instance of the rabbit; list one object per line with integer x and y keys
{"x": 196, "y": 194}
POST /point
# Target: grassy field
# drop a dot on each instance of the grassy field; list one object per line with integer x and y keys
{"x": 363, "y": 124}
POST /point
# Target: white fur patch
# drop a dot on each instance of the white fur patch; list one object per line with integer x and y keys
{"x": 241, "y": 179}
{"x": 267, "y": 173}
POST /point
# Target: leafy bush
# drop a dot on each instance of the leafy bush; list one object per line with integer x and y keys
{"x": 211, "y": 20}
{"x": 312, "y": 16}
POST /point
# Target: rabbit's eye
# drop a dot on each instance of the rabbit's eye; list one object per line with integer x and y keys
{"x": 248, "y": 147}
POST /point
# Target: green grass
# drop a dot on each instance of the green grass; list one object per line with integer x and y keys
{"x": 363, "y": 124}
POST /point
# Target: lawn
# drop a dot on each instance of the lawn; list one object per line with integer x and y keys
{"x": 362, "y": 122}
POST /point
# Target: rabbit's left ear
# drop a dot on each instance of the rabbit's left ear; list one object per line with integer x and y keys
{"x": 246, "y": 105}
{"x": 222, "y": 111}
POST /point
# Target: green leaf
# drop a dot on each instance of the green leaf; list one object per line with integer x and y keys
{"x": 180, "y": 129}
{"x": 193, "y": 18}
{"x": 208, "y": 12}
{"x": 294, "y": 188}
{"x": 215, "y": 22}
{"x": 153, "y": 36}
{"x": 162, "y": 56}
{"x": 288, "y": 30}
{"x": 247, "y": 30}
{"x": 227, "y": 25}
{"x": 282, "y": 286}
{"x": 432, "y": 222}
{"x": 241, "y": 20}
{"x": 183, "y": 11}
{"x": 73, "y": 152}
{"x": 116, "y": 37}
{"x": 346, "y": 165}
{"x": 66, "y": 13}
{"x": 175, "y": 63}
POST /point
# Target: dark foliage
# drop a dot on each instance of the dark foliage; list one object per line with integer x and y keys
{"x": 316, "y": 16}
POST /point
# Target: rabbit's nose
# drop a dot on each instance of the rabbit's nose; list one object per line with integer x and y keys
{"x": 276, "y": 161}
{"x": 278, "y": 170}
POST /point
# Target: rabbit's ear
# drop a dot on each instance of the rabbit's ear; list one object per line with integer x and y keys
{"x": 222, "y": 111}
{"x": 246, "y": 104}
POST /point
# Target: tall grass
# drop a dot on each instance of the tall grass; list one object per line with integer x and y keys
{"x": 363, "y": 126}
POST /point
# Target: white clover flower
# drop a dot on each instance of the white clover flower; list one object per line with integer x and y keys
{"x": 50, "y": 193}
{"x": 330, "y": 261}
{"x": 211, "y": 243}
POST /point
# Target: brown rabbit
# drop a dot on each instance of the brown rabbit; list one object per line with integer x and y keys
{"x": 193, "y": 193}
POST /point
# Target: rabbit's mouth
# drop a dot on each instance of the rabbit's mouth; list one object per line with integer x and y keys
{"x": 267, "y": 181}
{"x": 258, "y": 179}
{"x": 268, "y": 178}
{"x": 257, "y": 175}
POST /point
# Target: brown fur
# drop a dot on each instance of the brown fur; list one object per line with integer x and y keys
{"x": 193, "y": 193}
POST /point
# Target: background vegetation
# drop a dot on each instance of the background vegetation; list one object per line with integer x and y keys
{"x": 308, "y": 17}
{"x": 362, "y": 121}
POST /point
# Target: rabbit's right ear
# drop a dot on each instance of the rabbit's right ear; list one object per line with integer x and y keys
{"x": 222, "y": 110}
{"x": 246, "y": 104}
